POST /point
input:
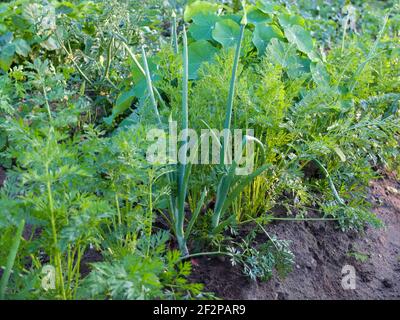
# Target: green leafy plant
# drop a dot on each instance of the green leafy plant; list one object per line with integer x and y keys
{"x": 81, "y": 85}
{"x": 142, "y": 275}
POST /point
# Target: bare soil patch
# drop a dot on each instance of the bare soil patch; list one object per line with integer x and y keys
{"x": 2, "y": 176}
{"x": 321, "y": 251}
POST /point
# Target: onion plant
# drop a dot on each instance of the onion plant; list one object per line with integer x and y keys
{"x": 177, "y": 202}
{"x": 182, "y": 173}
{"x": 174, "y": 32}
{"x": 230, "y": 186}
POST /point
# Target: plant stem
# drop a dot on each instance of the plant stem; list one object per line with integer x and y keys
{"x": 47, "y": 102}
{"x": 345, "y": 24}
{"x": 11, "y": 259}
{"x": 57, "y": 254}
{"x": 77, "y": 270}
{"x": 229, "y": 109}
{"x": 331, "y": 184}
{"x": 150, "y": 86}
{"x": 301, "y": 219}
{"x": 226, "y": 180}
{"x": 201, "y": 254}
{"x": 71, "y": 56}
{"x": 109, "y": 54}
{"x": 150, "y": 217}
{"x": 174, "y": 33}
{"x": 182, "y": 185}
{"x": 139, "y": 66}
{"x": 118, "y": 209}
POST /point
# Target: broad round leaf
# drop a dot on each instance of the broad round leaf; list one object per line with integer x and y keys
{"x": 199, "y": 52}
{"x": 266, "y": 6}
{"x": 255, "y": 16}
{"x": 287, "y": 20}
{"x": 302, "y": 39}
{"x": 123, "y": 102}
{"x": 286, "y": 55}
{"x": 320, "y": 74}
{"x": 22, "y": 47}
{"x": 263, "y": 33}
{"x": 279, "y": 52}
{"x": 6, "y": 38}
{"x": 7, "y": 56}
{"x": 226, "y": 32}
{"x": 202, "y": 26}
{"x": 50, "y": 44}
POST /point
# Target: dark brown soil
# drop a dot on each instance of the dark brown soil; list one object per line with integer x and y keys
{"x": 321, "y": 252}
{"x": 90, "y": 256}
{"x": 2, "y": 176}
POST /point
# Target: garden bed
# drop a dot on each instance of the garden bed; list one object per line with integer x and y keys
{"x": 321, "y": 251}
{"x": 185, "y": 150}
